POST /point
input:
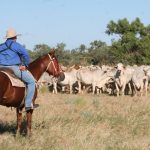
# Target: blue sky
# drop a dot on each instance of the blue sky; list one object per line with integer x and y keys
{"x": 73, "y": 22}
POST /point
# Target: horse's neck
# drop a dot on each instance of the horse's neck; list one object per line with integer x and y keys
{"x": 37, "y": 69}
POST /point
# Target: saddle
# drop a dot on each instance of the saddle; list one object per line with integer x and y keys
{"x": 15, "y": 81}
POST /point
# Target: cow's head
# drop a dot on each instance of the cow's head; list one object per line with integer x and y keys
{"x": 120, "y": 68}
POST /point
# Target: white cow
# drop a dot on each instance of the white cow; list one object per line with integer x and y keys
{"x": 140, "y": 81}
{"x": 91, "y": 77}
{"x": 123, "y": 78}
{"x": 146, "y": 69}
{"x": 48, "y": 80}
{"x": 70, "y": 79}
{"x": 107, "y": 81}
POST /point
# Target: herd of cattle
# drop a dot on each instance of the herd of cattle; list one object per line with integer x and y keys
{"x": 116, "y": 80}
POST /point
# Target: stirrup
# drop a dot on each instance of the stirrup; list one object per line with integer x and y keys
{"x": 31, "y": 108}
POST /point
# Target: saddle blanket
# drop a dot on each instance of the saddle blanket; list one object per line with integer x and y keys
{"x": 15, "y": 81}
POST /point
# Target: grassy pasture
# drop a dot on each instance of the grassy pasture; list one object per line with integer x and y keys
{"x": 81, "y": 122}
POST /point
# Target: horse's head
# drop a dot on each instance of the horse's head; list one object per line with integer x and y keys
{"x": 53, "y": 67}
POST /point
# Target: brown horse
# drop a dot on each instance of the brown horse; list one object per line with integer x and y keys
{"x": 11, "y": 96}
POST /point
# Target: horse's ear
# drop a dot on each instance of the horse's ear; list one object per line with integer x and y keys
{"x": 52, "y": 51}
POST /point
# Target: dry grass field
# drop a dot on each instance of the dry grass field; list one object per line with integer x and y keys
{"x": 81, "y": 122}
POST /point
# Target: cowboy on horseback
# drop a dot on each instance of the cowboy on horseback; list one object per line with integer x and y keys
{"x": 15, "y": 57}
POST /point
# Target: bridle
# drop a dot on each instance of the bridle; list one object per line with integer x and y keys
{"x": 51, "y": 61}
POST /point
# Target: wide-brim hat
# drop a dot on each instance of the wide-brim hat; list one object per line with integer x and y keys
{"x": 10, "y": 33}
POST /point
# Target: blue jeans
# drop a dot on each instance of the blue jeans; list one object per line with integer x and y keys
{"x": 29, "y": 80}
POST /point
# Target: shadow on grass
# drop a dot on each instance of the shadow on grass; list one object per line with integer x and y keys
{"x": 10, "y": 127}
{"x": 7, "y": 127}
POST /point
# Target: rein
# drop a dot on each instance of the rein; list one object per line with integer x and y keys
{"x": 51, "y": 61}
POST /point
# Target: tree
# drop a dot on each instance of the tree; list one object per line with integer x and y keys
{"x": 82, "y": 48}
{"x": 133, "y": 43}
{"x": 99, "y": 52}
{"x": 40, "y": 50}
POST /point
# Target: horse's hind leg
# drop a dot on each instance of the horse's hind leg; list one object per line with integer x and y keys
{"x": 19, "y": 120}
{"x": 29, "y": 122}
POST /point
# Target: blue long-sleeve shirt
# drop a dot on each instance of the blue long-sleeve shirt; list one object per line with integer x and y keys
{"x": 14, "y": 54}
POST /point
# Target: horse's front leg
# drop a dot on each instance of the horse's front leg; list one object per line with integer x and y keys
{"x": 29, "y": 122}
{"x": 19, "y": 120}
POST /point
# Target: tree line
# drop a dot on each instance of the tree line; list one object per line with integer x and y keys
{"x": 131, "y": 45}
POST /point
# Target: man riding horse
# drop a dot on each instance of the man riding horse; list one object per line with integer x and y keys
{"x": 15, "y": 57}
